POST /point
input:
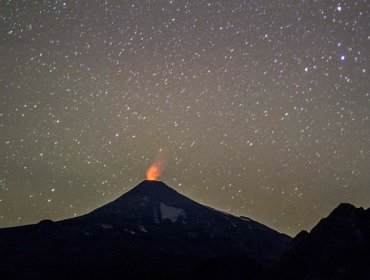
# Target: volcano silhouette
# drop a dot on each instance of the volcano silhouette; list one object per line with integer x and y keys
{"x": 152, "y": 207}
{"x": 150, "y": 231}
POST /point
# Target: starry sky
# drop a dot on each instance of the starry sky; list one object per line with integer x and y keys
{"x": 257, "y": 108}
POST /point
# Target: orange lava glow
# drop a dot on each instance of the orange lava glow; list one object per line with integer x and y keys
{"x": 153, "y": 172}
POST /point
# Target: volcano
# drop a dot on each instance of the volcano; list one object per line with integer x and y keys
{"x": 152, "y": 231}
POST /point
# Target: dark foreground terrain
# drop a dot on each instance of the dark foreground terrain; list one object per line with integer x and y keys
{"x": 153, "y": 232}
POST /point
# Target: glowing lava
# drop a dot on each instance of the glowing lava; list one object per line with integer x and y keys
{"x": 155, "y": 169}
{"x": 153, "y": 172}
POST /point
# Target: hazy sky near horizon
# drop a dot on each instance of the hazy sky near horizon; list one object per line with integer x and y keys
{"x": 258, "y": 108}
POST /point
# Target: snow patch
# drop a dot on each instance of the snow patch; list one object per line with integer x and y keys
{"x": 171, "y": 213}
{"x": 144, "y": 201}
{"x": 129, "y": 231}
{"x": 106, "y": 226}
{"x": 142, "y": 229}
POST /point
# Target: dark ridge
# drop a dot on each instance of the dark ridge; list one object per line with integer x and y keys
{"x": 345, "y": 209}
{"x": 338, "y": 247}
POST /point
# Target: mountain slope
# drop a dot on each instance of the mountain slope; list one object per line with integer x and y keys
{"x": 153, "y": 207}
{"x": 150, "y": 230}
{"x": 338, "y": 247}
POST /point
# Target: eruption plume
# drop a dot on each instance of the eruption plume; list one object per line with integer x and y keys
{"x": 155, "y": 169}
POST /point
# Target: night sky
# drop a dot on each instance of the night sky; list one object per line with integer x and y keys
{"x": 257, "y": 108}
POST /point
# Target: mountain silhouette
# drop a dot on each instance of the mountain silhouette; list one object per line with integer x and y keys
{"x": 151, "y": 232}
{"x": 338, "y": 247}
{"x": 154, "y": 232}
